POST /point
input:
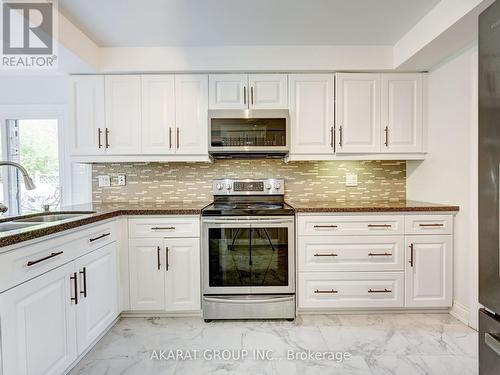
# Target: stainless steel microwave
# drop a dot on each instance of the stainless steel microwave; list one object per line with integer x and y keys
{"x": 246, "y": 133}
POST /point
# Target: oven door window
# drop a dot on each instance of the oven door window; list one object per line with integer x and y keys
{"x": 248, "y": 257}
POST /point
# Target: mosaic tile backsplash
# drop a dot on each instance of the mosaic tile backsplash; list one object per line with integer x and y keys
{"x": 304, "y": 181}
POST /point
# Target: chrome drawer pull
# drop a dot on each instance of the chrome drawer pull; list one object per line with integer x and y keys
{"x": 431, "y": 225}
{"x": 331, "y": 291}
{"x": 99, "y": 237}
{"x": 379, "y": 291}
{"x": 163, "y": 228}
{"x": 326, "y": 226}
{"x": 326, "y": 255}
{"x": 379, "y": 226}
{"x": 52, "y": 255}
{"x": 379, "y": 254}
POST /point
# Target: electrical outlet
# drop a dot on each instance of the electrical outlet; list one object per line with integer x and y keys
{"x": 121, "y": 180}
{"x": 351, "y": 179}
{"x": 104, "y": 181}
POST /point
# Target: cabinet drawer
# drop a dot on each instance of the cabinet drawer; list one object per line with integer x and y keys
{"x": 350, "y": 225}
{"x": 347, "y": 290}
{"x": 429, "y": 224}
{"x": 28, "y": 261}
{"x": 366, "y": 253}
{"x": 162, "y": 227}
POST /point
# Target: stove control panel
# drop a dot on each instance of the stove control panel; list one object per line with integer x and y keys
{"x": 267, "y": 186}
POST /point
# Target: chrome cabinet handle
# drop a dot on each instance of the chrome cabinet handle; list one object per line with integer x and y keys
{"x": 99, "y": 133}
{"x": 107, "y": 138}
{"x": 411, "y": 256}
{"x": 379, "y": 291}
{"x": 326, "y": 226}
{"x": 166, "y": 256}
{"x": 170, "y": 138}
{"x": 244, "y": 95}
{"x": 251, "y": 95}
{"x": 158, "y": 257}
{"x": 84, "y": 274}
{"x": 493, "y": 342}
{"x": 178, "y": 142}
{"x": 331, "y": 137}
{"x": 379, "y": 254}
{"x": 431, "y": 225}
{"x": 163, "y": 228}
{"x": 340, "y": 136}
{"x": 331, "y": 291}
{"x": 386, "y": 132}
{"x": 326, "y": 255}
{"x": 52, "y": 255}
{"x": 75, "y": 288}
{"x": 99, "y": 237}
{"x": 379, "y": 226}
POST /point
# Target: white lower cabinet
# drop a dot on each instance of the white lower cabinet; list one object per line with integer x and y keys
{"x": 375, "y": 261}
{"x": 351, "y": 290}
{"x": 38, "y": 322}
{"x": 429, "y": 280}
{"x": 165, "y": 274}
{"x": 98, "y": 298}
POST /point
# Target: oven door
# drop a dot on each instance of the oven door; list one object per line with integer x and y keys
{"x": 248, "y": 255}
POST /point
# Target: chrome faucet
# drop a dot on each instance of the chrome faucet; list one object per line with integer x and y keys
{"x": 28, "y": 182}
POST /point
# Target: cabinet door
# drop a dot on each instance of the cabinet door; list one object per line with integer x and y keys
{"x": 429, "y": 270}
{"x": 402, "y": 113}
{"x": 357, "y": 112}
{"x": 228, "y": 91}
{"x": 98, "y": 305}
{"x": 268, "y": 91}
{"x": 123, "y": 114}
{"x": 38, "y": 325}
{"x": 182, "y": 262}
{"x": 147, "y": 274}
{"x": 158, "y": 114}
{"x": 191, "y": 91}
{"x": 311, "y": 113}
{"x": 87, "y": 108}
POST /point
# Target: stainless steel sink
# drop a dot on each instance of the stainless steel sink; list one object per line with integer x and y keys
{"x": 6, "y": 227}
{"x": 51, "y": 217}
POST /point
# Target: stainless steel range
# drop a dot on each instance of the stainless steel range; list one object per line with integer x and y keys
{"x": 248, "y": 251}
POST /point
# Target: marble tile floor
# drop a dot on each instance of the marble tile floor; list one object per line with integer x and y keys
{"x": 382, "y": 344}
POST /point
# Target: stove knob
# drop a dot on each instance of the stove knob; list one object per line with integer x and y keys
{"x": 219, "y": 186}
{"x": 268, "y": 186}
{"x": 229, "y": 187}
{"x": 277, "y": 186}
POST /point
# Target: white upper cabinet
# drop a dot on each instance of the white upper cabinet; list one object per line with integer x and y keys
{"x": 357, "y": 114}
{"x": 88, "y": 116}
{"x": 158, "y": 114}
{"x": 268, "y": 91}
{"x": 402, "y": 113}
{"x": 244, "y": 91}
{"x": 228, "y": 91}
{"x": 123, "y": 114}
{"x": 429, "y": 271}
{"x": 311, "y": 114}
{"x": 191, "y": 114}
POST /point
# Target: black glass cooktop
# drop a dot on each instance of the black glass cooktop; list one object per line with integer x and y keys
{"x": 247, "y": 208}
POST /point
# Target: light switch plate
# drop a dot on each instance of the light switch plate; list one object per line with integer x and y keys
{"x": 104, "y": 181}
{"x": 351, "y": 179}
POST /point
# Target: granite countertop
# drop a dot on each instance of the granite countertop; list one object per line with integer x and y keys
{"x": 369, "y": 206}
{"x": 100, "y": 211}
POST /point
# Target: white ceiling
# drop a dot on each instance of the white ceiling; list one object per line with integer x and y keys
{"x": 113, "y": 23}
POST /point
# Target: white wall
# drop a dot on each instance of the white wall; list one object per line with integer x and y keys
{"x": 449, "y": 173}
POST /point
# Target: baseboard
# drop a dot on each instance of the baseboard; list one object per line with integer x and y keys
{"x": 160, "y": 314}
{"x": 460, "y": 312}
{"x": 373, "y": 311}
